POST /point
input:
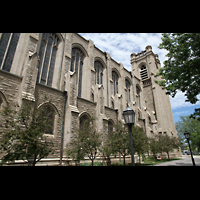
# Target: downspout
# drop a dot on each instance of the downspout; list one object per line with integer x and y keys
{"x": 107, "y": 79}
{"x": 61, "y": 62}
{"x": 144, "y": 126}
{"x": 62, "y": 131}
{"x": 133, "y": 87}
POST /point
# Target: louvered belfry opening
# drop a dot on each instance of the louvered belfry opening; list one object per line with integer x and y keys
{"x": 143, "y": 72}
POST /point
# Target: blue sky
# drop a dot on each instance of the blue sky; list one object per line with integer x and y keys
{"x": 121, "y": 45}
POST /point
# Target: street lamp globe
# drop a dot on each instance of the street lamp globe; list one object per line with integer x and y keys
{"x": 129, "y": 116}
{"x": 187, "y": 135}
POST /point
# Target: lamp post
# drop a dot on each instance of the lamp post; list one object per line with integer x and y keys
{"x": 129, "y": 118}
{"x": 187, "y": 136}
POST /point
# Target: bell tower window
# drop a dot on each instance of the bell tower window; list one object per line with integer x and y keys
{"x": 143, "y": 72}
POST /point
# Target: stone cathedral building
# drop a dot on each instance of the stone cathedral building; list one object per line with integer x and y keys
{"x": 81, "y": 81}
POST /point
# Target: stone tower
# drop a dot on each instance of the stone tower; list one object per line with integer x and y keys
{"x": 152, "y": 105}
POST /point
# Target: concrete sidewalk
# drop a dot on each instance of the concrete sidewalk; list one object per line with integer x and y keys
{"x": 184, "y": 161}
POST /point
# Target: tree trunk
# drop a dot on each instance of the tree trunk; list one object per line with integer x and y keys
{"x": 34, "y": 160}
{"x": 92, "y": 162}
{"x": 168, "y": 155}
{"x": 124, "y": 159}
{"x": 108, "y": 162}
{"x": 139, "y": 157}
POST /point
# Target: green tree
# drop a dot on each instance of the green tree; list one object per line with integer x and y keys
{"x": 163, "y": 143}
{"x": 92, "y": 140}
{"x": 168, "y": 143}
{"x": 74, "y": 147}
{"x": 181, "y": 70}
{"x": 22, "y": 133}
{"x": 153, "y": 146}
{"x": 187, "y": 124}
{"x": 139, "y": 140}
{"x": 121, "y": 140}
{"x": 107, "y": 147}
{"x": 86, "y": 141}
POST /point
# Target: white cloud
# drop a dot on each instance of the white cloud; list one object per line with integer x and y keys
{"x": 181, "y": 113}
{"x": 122, "y": 45}
{"x": 179, "y": 101}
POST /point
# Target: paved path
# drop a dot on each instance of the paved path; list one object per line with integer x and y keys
{"x": 185, "y": 161}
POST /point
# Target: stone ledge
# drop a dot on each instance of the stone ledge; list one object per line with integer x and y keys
{"x": 86, "y": 100}
{"x": 49, "y": 87}
{"x": 5, "y": 73}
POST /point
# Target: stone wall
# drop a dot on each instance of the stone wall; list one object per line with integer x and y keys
{"x": 87, "y": 106}
{"x": 45, "y": 94}
{"x": 111, "y": 114}
{"x": 10, "y": 86}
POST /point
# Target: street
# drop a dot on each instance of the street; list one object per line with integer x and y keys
{"x": 184, "y": 161}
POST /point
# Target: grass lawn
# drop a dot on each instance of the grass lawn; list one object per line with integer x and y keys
{"x": 148, "y": 161}
{"x": 90, "y": 164}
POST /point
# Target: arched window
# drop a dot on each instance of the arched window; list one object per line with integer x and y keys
{"x": 98, "y": 72}
{"x": 47, "y": 57}
{"x": 84, "y": 122}
{"x": 115, "y": 82}
{"x": 143, "y": 72}
{"x": 49, "y": 114}
{"x": 77, "y": 66}
{"x": 8, "y": 45}
{"x": 138, "y": 94}
{"x": 1, "y": 101}
{"x": 128, "y": 97}
{"x": 110, "y": 126}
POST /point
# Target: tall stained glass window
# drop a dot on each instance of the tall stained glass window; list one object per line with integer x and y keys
{"x": 8, "y": 45}
{"x": 115, "y": 82}
{"x": 128, "y": 97}
{"x": 77, "y": 66}
{"x": 98, "y": 72}
{"x": 47, "y": 57}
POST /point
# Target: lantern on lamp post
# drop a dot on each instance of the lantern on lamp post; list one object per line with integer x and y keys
{"x": 187, "y": 136}
{"x": 129, "y": 118}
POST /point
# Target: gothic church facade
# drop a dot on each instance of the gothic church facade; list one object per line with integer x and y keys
{"x": 81, "y": 81}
